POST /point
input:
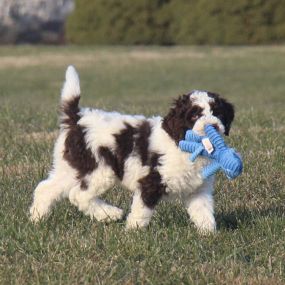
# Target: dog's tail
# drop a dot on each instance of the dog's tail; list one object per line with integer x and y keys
{"x": 70, "y": 96}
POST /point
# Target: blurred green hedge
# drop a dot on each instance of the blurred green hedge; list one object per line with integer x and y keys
{"x": 166, "y": 22}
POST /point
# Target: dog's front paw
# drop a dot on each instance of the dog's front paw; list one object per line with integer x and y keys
{"x": 206, "y": 226}
{"x": 35, "y": 214}
{"x": 135, "y": 222}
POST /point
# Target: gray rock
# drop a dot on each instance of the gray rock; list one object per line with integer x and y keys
{"x": 33, "y": 21}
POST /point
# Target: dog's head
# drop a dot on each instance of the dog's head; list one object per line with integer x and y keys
{"x": 194, "y": 111}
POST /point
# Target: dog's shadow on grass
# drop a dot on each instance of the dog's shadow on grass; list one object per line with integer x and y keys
{"x": 232, "y": 220}
{"x": 228, "y": 221}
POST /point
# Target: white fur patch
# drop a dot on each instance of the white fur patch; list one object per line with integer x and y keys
{"x": 133, "y": 172}
{"x": 203, "y": 100}
{"x": 101, "y": 126}
{"x": 71, "y": 87}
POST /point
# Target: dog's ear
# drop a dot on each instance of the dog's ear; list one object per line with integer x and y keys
{"x": 229, "y": 114}
{"x": 225, "y": 112}
{"x": 176, "y": 122}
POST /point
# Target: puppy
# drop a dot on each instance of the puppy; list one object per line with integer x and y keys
{"x": 96, "y": 150}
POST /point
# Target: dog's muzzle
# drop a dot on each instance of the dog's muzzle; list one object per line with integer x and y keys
{"x": 208, "y": 120}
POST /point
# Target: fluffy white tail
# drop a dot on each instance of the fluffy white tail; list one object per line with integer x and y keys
{"x": 70, "y": 96}
{"x": 71, "y": 87}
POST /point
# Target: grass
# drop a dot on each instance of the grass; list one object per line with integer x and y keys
{"x": 69, "y": 248}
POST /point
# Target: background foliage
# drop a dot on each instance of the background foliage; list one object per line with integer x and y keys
{"x": 166, "y": 22}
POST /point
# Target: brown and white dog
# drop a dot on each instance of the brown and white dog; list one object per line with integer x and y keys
{"x": 96, "y": 150}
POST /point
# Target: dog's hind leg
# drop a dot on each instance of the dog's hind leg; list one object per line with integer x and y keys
{"x": 47, "y": 193}
{"x": 102, "y": 211}
{"x": 88, "y": 202}
{"x": 93, "y": 206}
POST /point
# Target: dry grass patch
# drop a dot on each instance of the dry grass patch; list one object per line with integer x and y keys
{"x": 39, "y": 136}
{"x": 18, "y": 170}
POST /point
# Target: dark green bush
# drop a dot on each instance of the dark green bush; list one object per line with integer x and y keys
{"x": 117, "y": 22}
{"x": 177, "y": 22}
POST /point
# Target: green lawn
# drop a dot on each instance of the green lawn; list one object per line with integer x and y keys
{"x": 69, "y": 248}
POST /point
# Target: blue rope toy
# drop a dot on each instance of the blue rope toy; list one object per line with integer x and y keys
{"x": 223, "y": 157}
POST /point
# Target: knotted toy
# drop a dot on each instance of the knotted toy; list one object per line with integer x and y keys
{"x": 214, "y": 147}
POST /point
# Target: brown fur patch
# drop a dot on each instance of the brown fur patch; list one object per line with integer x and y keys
{"x": 151, "y": 187}
{"x": 142, "y": 141}
{"x": 111, "y": 160}
{"x": 181, "y": 117}
{"x": 76, "y": 152}
{"x": 125, "y": 145}
{"x": 71, "y": 111}
{"x": 83, "y": 184}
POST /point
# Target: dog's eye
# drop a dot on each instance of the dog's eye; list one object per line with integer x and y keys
{"x": 195, "y": 113}
{"x": 195, "y": 117}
